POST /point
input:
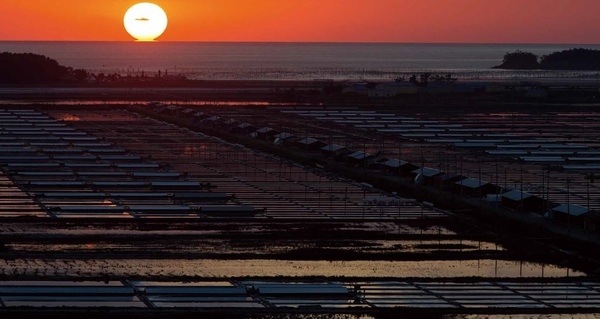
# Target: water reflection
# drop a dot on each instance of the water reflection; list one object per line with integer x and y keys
{"x": 66, "y": 117}
{"x": 145, "y": 102}
{"x": 418, "y": 269}
{"x": 193, "y": 149}
{"x": 281, "y": 247}
{"x": 212, "y": 268}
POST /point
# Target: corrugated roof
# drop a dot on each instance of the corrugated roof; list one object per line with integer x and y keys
{"x": 119, "y": 183}
{"x": 359, "y": 155}
{"x": 503, "y": 152}
{"x": 17, "y": 158}
{"x": 552, "y": 153}
{"x": 571, "y": 209}
{"x": 89, "y": 209}
{"x": 563, "y": 146}
{"x": 137, "y": 165}
{"x": 102, "y": 173}
{"x": 427, "y": 171}
{"x": 308, "y": 141}
{"x": 120, "y": 157}
{"x": 71, "y": 194}
{"x": 451, "y": 176}
{"x": 471, "y": 183}
{"x": 284, "y": 135}
{"x": 159, "y": 208}
{"x": 244, "y": 125}
{"x": 332, "y": 148}
{"x": 55, "y": 183}
{"x": 197, "y": 290}
{"x": 475, "y": 145}
{"x": 156, "y": 174}
{"x": 516, "y": 195}
{"x": 444, "y": 140}
{"x": 226, "y": 208}
{"x": 546, "y": 159}
{"x": 176, "y": 184}
{"x": 394, "y": 163}
{"x": 264, "y": 130}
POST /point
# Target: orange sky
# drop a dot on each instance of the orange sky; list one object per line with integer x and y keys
{"x": 449, "y": 21}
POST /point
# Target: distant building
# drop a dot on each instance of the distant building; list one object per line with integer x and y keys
{"x": 522, "y": 201}
{"x": 199, "y": 116}
{"x": 266, "y": 133}
{"x": 309, "y": 143}
{"x": 475, "y": 188}
{"x": 360, "y": 158}
{"x": 244, "y": 128}
{"x": 426, "y": 175}
{"x": 335, "y": 151}
{"x": 283, "y": 138}
{"x": 396, "y": 167}
{"x": 569, "y": 214}
{"x": 448, "y": 180}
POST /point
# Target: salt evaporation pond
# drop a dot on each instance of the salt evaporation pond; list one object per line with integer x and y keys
{"x": 212, "y": 268}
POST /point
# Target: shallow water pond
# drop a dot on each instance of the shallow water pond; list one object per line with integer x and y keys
{"x": 210, "y": 268}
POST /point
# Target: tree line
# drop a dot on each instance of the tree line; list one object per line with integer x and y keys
{"x": 29, "y": 68}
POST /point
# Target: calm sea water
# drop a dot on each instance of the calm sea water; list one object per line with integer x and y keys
{"x": 210, "y": 60}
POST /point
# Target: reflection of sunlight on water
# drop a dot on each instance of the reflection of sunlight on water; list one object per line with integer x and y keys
{"x": 193, "y": 149}
{"x": 215, "y": 246}
{"x": 423, "y": 269}
{"x": 69, "y": 118}
{"x": 440, "y": 245}
{"x": 145, "y": 102}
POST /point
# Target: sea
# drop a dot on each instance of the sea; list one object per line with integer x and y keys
{"x": 294, "y": 61}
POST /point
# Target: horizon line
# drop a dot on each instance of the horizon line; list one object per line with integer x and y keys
{"x": 302, "y": 42}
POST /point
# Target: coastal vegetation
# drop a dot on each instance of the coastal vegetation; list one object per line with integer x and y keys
{"x": 29, "y": 68}
{"x": 572, "y": 59}
{"x": 34, "y": 69}
{"x": 519, "y": 60}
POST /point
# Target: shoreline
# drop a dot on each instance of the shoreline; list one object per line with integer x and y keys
{"x": 311, "y": 93}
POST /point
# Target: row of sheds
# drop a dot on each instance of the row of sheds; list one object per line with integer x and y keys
{"x": 269, "y": 134}
{"x": 513, "y": 199}
{"x": 510, "y": 198}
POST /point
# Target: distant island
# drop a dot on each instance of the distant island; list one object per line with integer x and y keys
{"x": 572, "y": 59}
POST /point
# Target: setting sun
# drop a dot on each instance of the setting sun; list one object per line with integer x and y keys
{"x": 406, "y": 21}
{"x": 145, "y": 21}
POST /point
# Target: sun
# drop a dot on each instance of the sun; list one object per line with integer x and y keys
{"x": 145, "y": 21}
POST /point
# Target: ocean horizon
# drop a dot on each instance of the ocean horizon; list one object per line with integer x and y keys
{"x": 291, "y": 60}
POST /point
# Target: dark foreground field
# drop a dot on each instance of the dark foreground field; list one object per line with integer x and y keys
{"x": 465, "y": 246}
